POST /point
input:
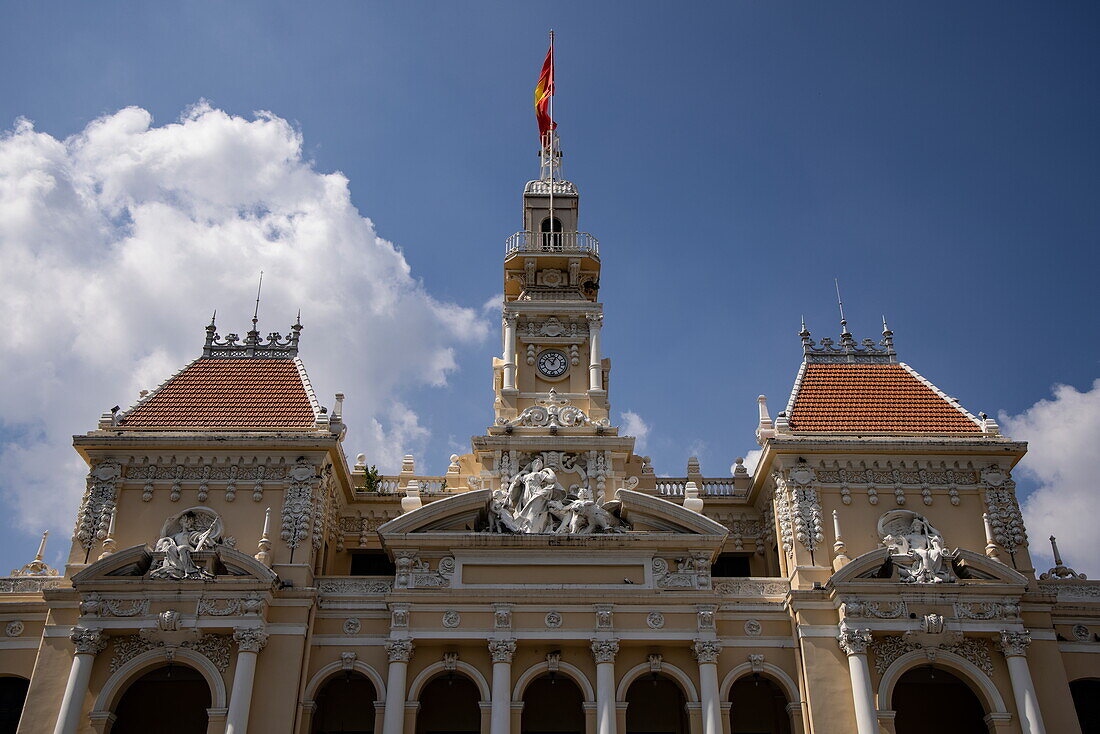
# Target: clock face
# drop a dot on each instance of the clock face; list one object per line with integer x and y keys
{"x": 553, "y": 363}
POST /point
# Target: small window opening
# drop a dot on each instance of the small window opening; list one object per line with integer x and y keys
{"x": 731, "y": 565}
{"x": 551, "y": 234}
{"x": 371, "y": 563}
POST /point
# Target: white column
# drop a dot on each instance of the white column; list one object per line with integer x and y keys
{"x": 500, "y": 717}
{"x": 88, "y": 642}
{"x": 854, "y": 643}
{"x": 604, "y": 651}
{"x": 510, "y": 352}
{"x": 1014, "y": 646}
{"x": 706, "y": 652}
{"x": 250, "y": 640}
{"x": 400, "y": 652}
{"x": 595, "y": 368}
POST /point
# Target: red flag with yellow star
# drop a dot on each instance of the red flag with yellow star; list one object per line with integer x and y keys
{"x": 544, "y": 90}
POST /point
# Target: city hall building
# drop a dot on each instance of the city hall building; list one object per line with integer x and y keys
{"x": 232, "y": 571}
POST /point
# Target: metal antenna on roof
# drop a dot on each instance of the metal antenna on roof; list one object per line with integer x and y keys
{"x": 840, "y": 303}
{"x": 256, "y": 312}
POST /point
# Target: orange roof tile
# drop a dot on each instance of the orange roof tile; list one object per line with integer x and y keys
{"x": 212, "y": 394}
{"x": 872, "y": 398}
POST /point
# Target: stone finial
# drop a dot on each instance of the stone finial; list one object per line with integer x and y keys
{"x": 693, "y": 468}
{"x": 37, "y": 567}
{"x": 452, "y": 467}
{"x": 263, "y": 547}
{"x": 840, "y": 552}
{"x": 109, "y": 537}
{"x": 991, "y": 548}
{"x": 739, "y": 469}
{"x": 1060, "y": 571}
{"x": 360, "y": 463}
{"x": 411, "y": 501}
{"x": 765, "y": 429}
{"x": 408, "y": 464}
{"x": 692, "y": 500}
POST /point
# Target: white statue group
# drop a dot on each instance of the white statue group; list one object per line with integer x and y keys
{"x": 188, "y": 533}
{"x": 535, "y": 502}
{"x": 916, "y": 548}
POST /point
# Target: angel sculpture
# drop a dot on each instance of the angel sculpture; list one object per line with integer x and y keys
{"x": 188, "y": 537}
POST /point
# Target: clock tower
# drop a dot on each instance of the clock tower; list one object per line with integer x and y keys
{"x": 552, "y": 315}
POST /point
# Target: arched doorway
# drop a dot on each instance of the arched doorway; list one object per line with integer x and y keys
{"x": 345, "y": 705}
{"x": 956, "y": 711}
{"x": 552, "y": 704}
{"x": 13, "y": 691}
{"x": 1086, "y": 699}
{"x": 758, "y": 706}
{"x": 655, "y": 705}
{"x": 551, "y": 233}
{"x": 171, "y": 699}
{"x": 449, "y": 704}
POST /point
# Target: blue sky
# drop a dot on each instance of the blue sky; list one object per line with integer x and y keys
{"x": 940, "y": 159}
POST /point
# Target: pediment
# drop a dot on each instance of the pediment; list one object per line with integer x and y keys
{"x": 874, "y": 567}
{"x": 133, "y": 563}
{"x": 468, "y": 513}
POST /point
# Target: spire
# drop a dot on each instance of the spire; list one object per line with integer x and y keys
{"x": 37, "y": 567}
{"x": 254, "y": 335}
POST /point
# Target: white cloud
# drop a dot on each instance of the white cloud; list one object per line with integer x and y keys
{"x": 631, "y": 424}
{"x": 116, "y": 244}
{"x": 1063, "y": 434}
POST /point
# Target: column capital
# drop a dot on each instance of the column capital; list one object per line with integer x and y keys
{"x": 604, "y": 651}
{"x": 502, "y": 650}
{"x": 595, "y": 319}
{"x": 88, "y": 640}
{"x": 706, "y": 651}
{"x": 250, "y": 639}
{"x": 1014, "y": 643}
{"x": 854, "y": 641}
{"x": 400, "y": 651}
{"x": 509, "y": 319}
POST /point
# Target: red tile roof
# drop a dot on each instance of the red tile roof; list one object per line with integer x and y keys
{"x": 228, "y": 394}
{"x": 872, "y": 398}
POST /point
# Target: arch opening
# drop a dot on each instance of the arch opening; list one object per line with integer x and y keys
{"x": 13, "y": 693}
{"x": 345, "y": 705}
{"x": 552, "y": 704}
{"x": 758, "y": 706}
{"x": 550, "y": 229}
{"x": 449, "y": 704}
{"x": 656, "y": 705}
{"x": 169, "y": 699}
{"x": 957, "y": 709}
{"x": 1086, "y": 700}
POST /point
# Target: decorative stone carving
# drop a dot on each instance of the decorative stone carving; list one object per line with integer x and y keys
{"x": 502, "y": 617}
{"x": 1004, "y": 511}
{"x": 347, "y": 660}
{"x": 451, "y": 619}
{"x": 400, "y": 651}
{"x": 298, "y": 503}
{"x": 1014, "y": 643}
{"x": 38, "y": 567}
{"x": 916, "y": 548}
{"x": 655, "y": 620}
{"x": 250, "y": 639}
{"x": 553, "y": 412}
{"x": 854, "y": 641}
{"x": 450, "y": 661}
{"x": 399, "y": 617}
{"x": 553, "y": 620}
{"x": 95, "y": 605}
{"x": 214, "y": 647}
{"x": 502, "y": 650}
{"x": 1063, "y": 589}
{"x": 194, "y": 530}
{"x": 756, "y": 662}
{"x": 28, "y": 585}
{"x": 799, "y": 511}
{"x": 691, "y": 572}
{"x": 753, "y": 628}
{"x": 88, "y": 641}
{"x": 354, "y": 586}
{"x": 604, "y": 614}
{"x": 1079, "y": 631}
{"x": 706, "y": 651}
{"x": 15, "y": 628}
{"x": 99, "y": 502}
{"x": 987, "y": 610}
{"x": 252, "y": 605}
{"x": 888, "y": 649}
{"x": 352, "y": 626}
{"x": 533, "y": 500}
{"x": 874, "y": 609}
{"x": 704, "y": 617}
{"x": 604, "y": 651}
{"x": 414, "y": 573}
{"x": 752, "y": 588}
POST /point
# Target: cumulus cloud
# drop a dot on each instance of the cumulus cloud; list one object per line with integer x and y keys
{"x": 631, "y": 424}
{"x": 1063, "y": 434}
{"x": 117, "y": 242}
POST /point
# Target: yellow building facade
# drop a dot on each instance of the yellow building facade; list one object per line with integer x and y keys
{"x": 231, "y": 571}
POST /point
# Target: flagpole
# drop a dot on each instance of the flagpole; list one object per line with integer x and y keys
{"x": 551, "y": 134}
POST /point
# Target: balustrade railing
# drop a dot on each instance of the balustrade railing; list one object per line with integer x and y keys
{"x": 398, "y": 484}
{"x": 718, "y": 487}
{"x": 552, "y": 242}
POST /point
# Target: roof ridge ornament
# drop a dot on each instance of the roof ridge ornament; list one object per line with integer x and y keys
{"x": 847, "y": 350}
{"x": 253, "y": 347}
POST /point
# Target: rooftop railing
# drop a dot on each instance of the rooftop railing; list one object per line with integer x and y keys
{"x": 581, "y": 242}
{"x": 676, "y": 486}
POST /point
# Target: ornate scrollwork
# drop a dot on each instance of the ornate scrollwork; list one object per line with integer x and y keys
{"x": 706, "y": 651}
{"x": 400, "y": 651}
{"x": 604, "y": 651}
{"x": 854, "y": 641}
{"x": 502, "y": 650}
{"x": 555, "y": 412}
